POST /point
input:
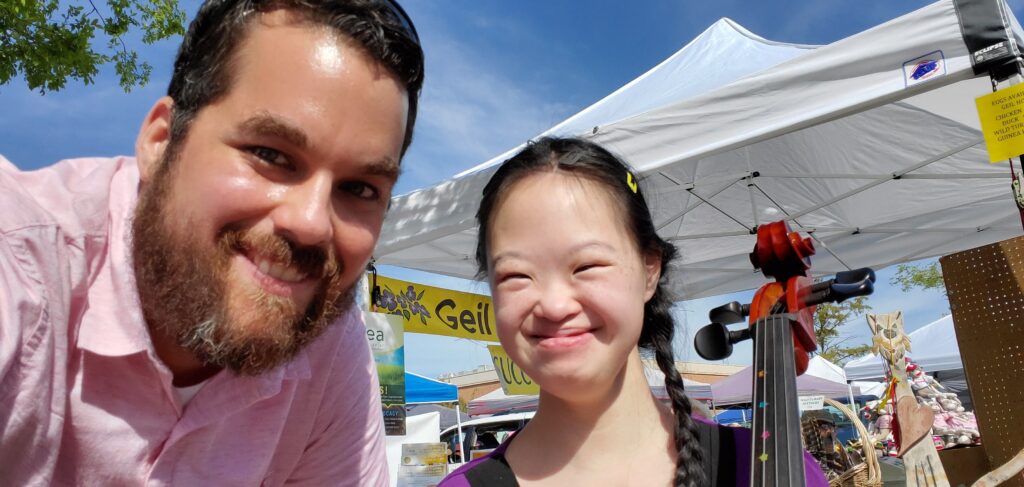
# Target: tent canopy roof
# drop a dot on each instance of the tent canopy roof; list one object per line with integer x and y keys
{"x": 879, "y": 166}
{"x": 423, "y": 390}
{"x": 819, "y": 367}
{"x": 736, "y": 389}
{"x": 934, "y": 348}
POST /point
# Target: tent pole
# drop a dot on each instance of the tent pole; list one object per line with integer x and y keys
{"x": 849, "y": 387}
{"x": 458, "y": 429}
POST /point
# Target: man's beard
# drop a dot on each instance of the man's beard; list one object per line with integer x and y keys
{"x": 183, "y": 285}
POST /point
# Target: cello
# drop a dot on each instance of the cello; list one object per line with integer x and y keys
{"x": 781, "y": 323}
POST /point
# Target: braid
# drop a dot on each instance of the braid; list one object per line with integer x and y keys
{"x": 689, "y": 462}
{"x": 658, "y": 330}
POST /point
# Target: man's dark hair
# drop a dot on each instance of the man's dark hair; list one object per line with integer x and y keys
{"x": 204, "y": 68}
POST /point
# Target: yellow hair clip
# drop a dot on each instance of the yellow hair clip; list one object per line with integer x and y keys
{"x": 630, "y": 181}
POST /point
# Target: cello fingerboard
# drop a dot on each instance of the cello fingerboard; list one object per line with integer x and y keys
{"x": 778, "y": 456}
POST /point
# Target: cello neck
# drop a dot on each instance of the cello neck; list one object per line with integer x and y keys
{"x": 778, "y": 455}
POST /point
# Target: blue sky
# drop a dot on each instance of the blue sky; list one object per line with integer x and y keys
{"x": 498, "y": 73}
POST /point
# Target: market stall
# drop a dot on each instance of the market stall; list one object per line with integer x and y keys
{"x": 881, "y": 162}
{"x": 420, "y": 428}
{"x": 870, "y": 145}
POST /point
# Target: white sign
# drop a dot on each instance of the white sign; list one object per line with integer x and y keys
{"x": 424, "y": 453}
{"x": 812, "y": 403}
{"x": 421, "y": 475}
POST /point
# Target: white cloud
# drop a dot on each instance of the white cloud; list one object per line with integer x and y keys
{"x": 473, "y": 107}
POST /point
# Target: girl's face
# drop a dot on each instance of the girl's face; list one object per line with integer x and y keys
{"x": 568, "y": 282}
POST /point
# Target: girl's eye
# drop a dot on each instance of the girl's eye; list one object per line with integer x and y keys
{"x": 586, "y": 267}
{"x": 270, "y": 156}
{"x": 510, "y": 276}
{"x": 360, "y": 190}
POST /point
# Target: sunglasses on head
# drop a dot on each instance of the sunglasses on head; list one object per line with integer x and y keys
{"x": 403, "y": 20}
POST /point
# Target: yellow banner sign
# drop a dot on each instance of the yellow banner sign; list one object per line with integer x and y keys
{"x": 513, "y": 379}
{"x": 437, "y": 311}
{"x": 1002, "y": 122}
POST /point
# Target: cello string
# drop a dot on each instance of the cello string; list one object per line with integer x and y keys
{"x": 795, "y": 471}
{"x": 756, "y": 472}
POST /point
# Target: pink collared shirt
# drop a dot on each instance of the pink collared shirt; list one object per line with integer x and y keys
{"x": 84, "y": 400}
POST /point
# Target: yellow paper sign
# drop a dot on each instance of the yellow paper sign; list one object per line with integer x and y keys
{"x": 437, "y": 311}
{"x": 1002, "y": 122}
{"x": 513, "y": 379}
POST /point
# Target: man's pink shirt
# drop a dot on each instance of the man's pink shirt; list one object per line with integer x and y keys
{"x": 84, "y": 400}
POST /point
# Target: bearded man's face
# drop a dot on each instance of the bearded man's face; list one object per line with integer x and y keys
{"x": 252, "y": 231}
{"x": 186, "y": 288}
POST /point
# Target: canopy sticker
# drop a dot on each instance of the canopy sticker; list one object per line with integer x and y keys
{"x": 924, "y": 68}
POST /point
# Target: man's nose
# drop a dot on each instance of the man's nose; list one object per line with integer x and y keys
{"x": 304, "y": 213}
{"x": 557, "y": 302}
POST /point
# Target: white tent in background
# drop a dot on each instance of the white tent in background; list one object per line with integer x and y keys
{"x": 933, "y": 347}
{"x": 870, "y": 144}
{"x": 870, "y": 388}
{"x": 819, "y": 367}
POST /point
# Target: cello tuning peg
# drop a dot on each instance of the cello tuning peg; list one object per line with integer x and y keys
{"x": 714, "y": 341}
{"x": 729, "y": 313}
{"x": 855, "y": 276}
{"x": 846, "y": 285}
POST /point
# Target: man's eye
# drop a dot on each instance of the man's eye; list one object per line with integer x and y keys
{"x": 360, "y": 190}
{"x": 270, "y": 156}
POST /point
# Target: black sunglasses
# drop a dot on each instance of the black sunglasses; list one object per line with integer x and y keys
{"x": 403, "y": 19}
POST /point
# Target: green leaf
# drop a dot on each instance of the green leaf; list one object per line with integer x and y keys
{"x": 406, "y": 313}
{"x": 830, "y": 323}
{"x": 48, "y": 43}
{"x": 924, "y": 276}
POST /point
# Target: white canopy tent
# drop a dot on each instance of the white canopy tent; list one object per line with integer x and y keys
{"x": 819, "y": 367}
{"x": 933, "y": 347}
{"x": 870, "y": 144}
{"x": 736, "y": 389}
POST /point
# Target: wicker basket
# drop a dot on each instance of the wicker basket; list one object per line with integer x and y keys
{"x": 868, "y": 473}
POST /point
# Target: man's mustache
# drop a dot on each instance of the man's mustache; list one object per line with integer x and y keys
{"x": 313, "y": 261}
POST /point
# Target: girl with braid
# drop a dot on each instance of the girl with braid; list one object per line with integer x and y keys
{"x": 576, "y": 270}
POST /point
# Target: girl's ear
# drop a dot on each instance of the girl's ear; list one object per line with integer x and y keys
{"x": 652, "y": 266}
{"x": 154, "y": 137}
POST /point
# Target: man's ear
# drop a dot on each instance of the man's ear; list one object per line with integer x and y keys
{"x": 154, "y": 137}
{"x": 652, "y": 268}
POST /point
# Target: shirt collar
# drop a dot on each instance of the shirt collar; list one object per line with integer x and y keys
{"x": 113, "y": 324}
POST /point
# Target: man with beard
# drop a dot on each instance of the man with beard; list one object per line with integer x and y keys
{"x": 186, "y": 317}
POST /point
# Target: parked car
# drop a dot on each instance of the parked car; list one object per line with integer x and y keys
{"x": 481, "y": 435}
